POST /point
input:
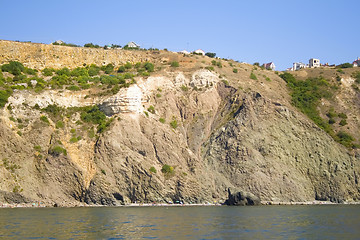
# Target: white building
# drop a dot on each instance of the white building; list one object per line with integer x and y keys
{"x": 269, "y": 65}
{"x": 184, "y": 52}
{"x": 356, "y": 63}
{"x": 298, "y": 66}
{"x": 199, "y": 51}
{"x": 133, "y": 45}
{"x": 314, "y": 63}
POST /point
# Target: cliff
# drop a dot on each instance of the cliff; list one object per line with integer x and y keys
{"x": 186, "y": 133}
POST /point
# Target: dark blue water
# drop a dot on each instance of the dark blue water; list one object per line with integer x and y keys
{"x": 263, "y": 222}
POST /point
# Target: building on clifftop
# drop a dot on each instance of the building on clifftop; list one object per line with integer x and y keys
{"x": 270, "y": 66}
{"x": 356, "y": 63}
{"x": 314, "y": 63}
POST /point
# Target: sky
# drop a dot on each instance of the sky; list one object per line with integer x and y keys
{"x": 261, "y": 31}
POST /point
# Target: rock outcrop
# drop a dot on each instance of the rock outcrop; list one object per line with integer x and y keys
{"x": 215, "y": 131}
{"x": 241, "y": 198}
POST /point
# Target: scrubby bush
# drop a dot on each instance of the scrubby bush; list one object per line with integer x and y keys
{"x": 4, "y": 95}
{"x": 64, "y": 71}
{"x": 151, "y": 109}
{"x": 345, "y": 65}
{"x": 59, "y": 124}
{"x": 253, "y": 76}
{"x": 109, "y": 68}
{"x": 345, "y": 138}
{"x": 167, "y": 169}
{"x": 174, "y": 124}
{"x": 57, "y": 150}
{"x": 48, "y": 71}
{"x": 343, "y": 122}
{"x": 210, "y": 54}
{"x": 149, "y": 66}
{"x": 121, "y": 69}
{"x": 174, "y": 64}
{"x": 162, "y": 120}
{"x": 73, "y": 88}
{"x": 79, "y": 72}
{"x": 44, "y": 119}
{"x": 13, "y": 67}
{"x": 91, "y": 45}
{"x": 235, "y": 70}
{"x": 210, "y": 68}
{"x": 93, "y": 70}
{"x": 153, "y": 169}
{"x": 128, "y": 65}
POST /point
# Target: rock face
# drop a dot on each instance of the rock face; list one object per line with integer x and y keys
{"x": 241, "y": 198}
{"x": 215, "y": 133}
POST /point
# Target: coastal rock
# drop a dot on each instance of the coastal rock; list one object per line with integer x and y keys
{"x": 241, "y": 198}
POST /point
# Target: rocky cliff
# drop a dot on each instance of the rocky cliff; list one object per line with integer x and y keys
{"x": 213, "y": 128}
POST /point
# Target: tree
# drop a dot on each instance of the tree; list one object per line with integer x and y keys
{"x": 210, "y": 54}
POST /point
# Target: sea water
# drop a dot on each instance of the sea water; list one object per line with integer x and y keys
{"x": 208, "y": 222}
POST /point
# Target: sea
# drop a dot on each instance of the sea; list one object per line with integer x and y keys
{"x": 183, "y": 222}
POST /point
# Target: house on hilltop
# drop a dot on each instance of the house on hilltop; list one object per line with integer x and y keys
{"x": 314, "y": 63}
{"x": 298, "y": 66}
{"x": 356, "y": 63}
{"x": 184, "y": 52}
{"x": 270, "y": 66}
{"x": 199, "y": 52}
{"x": 59, "y": 42}
{"x": 132, "y": 45}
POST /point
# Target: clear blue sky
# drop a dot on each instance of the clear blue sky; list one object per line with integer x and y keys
{"x": 250, "y": 31}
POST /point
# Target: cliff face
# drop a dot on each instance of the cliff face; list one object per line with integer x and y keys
{"x": 215, "y": 132}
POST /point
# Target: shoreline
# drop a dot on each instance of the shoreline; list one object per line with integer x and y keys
{"x": 263, "y": 203}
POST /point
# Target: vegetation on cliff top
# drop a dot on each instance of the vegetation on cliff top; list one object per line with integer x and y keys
{"x": 306, "y": 96}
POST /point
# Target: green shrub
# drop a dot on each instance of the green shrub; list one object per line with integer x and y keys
{"x": 48, "y": 71}
{"x": 174, "y": 64}
{"x": 167, "y": 169}
{"x": 64, "y": 71}
{"x": 57, "y": 150}
{"x": 331, "y": 121}
{"x": 342, "y": 115}
{"x": 184, "y": 88}
{"x": 73, "y": 88}
{"x": 210, "y": 54}
{"x": 153, "y": 169}
{"x": 268, "y": 79}
{"x": 345, "y": 138}
{"x": 109, "y": 68}
{"x": 343, "y": 122}
{"x": 149, "y": 66}
{"x": 91, "y": 45}
{"x": 235, "y": 70}
{"x": 128, "y": 65}
{"x": 29, "y": 71}
{"x": 44, "y": 119}
{"x": 79, "y": 72}
{"x": 174, "y": 124}
{"x": 37, "y": 148}
{"x": 121, "y": 69}
{"x": 146, "y": 113}
{"x": 345, "y": 65}
{"x": 93, "y": 70}
{"x": 73, "y": 130}
{"x": 4, "y": 95}
{"x": 74, "y": 140}
{"x": 162, "y": 120}
{"x": 151, "y": 109}
{"x": 253, "y": 76}
{"x": 219, "y": 64}
{"x": 13, "y": 67}
{"x": 213, "y": 62}
{"x": 210, "y": 68}
{"x": 158, "y": 95}
{"x": 59, "y": 124}
{"x": 53, "y": 110}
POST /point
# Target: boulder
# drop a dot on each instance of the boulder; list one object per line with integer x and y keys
{"x": 241, "y": 198}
